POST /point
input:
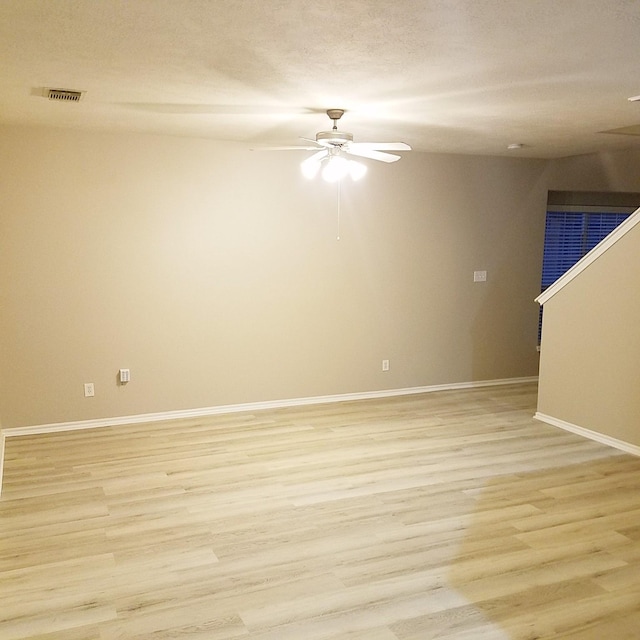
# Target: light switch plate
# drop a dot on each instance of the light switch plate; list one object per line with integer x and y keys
{"x": 479, "y": 276}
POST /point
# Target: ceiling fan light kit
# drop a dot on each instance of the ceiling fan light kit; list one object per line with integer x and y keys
{"x": 338, "y": 167}
{"x": 336, "y": 144}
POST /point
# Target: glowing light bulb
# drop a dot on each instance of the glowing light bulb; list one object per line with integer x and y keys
{"x": 336, "y": 168}
{"x": 357, "y": 170}
{"x": 310, "y": 168}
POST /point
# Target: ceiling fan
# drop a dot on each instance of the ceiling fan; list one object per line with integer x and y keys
{"x": 335, "y": 144}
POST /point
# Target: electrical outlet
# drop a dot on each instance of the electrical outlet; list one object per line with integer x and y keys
{"x": 385, "y": 365}
{"x": 89, "y": 390}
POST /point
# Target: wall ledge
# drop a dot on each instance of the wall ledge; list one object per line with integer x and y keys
{"x": 627, "y": 447}
{"x": 236, "y": 408}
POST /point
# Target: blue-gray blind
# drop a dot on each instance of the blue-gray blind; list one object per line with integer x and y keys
{"x": 570, "y": 235}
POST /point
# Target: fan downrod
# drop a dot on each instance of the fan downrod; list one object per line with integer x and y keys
{"x": 334, "y": 138}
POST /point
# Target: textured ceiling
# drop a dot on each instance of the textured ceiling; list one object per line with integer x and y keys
{"x": 459, "y": 76}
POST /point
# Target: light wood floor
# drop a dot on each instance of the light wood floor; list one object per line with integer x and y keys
{"x": 445, "y": 515}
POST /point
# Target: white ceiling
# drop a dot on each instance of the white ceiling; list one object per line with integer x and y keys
{"x": 461, "y": 76}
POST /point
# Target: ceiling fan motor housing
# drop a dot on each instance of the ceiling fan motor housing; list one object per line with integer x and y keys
{"x": 335, "y": 138}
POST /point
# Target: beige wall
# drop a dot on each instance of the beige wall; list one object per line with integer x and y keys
{"x": 214, "y": 274}
{"x": 611, "y": 171}
{"x": 589, "y": 366}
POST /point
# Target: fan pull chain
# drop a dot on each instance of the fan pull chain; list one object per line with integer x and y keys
{"x": 338, "y": 207}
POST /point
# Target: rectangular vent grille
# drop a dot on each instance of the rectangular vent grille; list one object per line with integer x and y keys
{"x": 64, "y": 95}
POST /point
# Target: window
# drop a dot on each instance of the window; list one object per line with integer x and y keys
{"x": 570, "y": 235}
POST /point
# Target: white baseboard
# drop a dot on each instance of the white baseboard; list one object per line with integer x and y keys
{"x": 591, "y": 435}
{"x": 236, "y": 408}
{"x": 251, "y": 406}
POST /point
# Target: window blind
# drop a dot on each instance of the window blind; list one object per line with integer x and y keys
{"x": 569, "y": 236}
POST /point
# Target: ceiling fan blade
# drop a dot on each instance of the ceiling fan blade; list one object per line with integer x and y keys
{"x": 290, "y": 148}
{"x": 321, "y": 143}
{"x": 372, "y": 154}
{"x": 381, "y": 146}
{"x": 316, "y": 156}
{"x": 311, "y": 165}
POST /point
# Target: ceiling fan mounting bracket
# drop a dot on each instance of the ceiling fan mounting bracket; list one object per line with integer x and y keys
{"x": 335, "y": 114}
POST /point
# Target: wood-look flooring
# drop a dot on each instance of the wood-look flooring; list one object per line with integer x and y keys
{"x": 450, "y": 515}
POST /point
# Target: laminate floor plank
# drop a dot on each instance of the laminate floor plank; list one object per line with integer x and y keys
{"x": 451, "y": 515}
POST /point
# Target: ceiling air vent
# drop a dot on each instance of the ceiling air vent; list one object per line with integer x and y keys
{"x": 64, "y": 95}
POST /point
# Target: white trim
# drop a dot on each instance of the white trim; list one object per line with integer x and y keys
{"x": 251, "y": 406}
{"x": 593, "y": 255}
{"x": 591, "y": 435}
{"x": 236, "y": 408}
